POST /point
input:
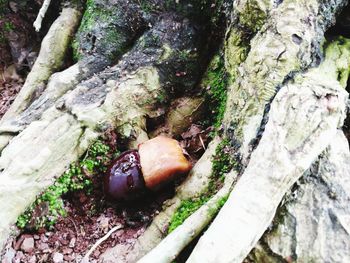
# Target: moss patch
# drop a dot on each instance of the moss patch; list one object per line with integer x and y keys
{"x": 49, "y": 206}
{"x": 253, "y": 18}
{"x": 215, "y": 210}
{"x": 337, "y": 60}
{"x": 187, "y": 208}
{"x": 215, "y": 81}
{"x": 92, "y": 15}
{"x": 223, "y": 160}
{"x": 107, "y": 29}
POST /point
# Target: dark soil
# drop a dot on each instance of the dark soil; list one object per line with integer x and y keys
{"x": 89, "y": 217}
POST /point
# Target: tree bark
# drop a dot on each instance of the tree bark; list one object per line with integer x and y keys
{"x": 121, "y": 97}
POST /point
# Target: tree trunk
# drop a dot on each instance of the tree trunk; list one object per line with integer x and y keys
{"x": 135, "y": 60}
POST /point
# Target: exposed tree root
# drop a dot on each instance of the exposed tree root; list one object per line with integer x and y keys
{"x": 41, "y": 15}
{"x": 29, "y": 106}
{"x": 50, "y": 59}
{"x": 120, "y": 97}
{"x": 270, "y": 48}
{"x": 312, "y": 224}
{"x": 253, "y": 83}
{"x": 172, "y": 245}
{"x": 287, "y": 42}
{"x": 303, "y": 119}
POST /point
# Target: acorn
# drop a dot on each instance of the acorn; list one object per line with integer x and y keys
{"x": 156, "y": 163}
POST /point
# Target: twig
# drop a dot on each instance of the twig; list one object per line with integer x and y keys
{"x": 75, "y": 226}
{"x": 105, "y": 237}
{"x": 200, "y": 138}
{"x": 41, "y": 15}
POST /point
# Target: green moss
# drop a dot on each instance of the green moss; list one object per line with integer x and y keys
{"x": 215, "y": 210}
{"x": 215, "y": 81}
{"x": 5, "y": 28}
{"x": 236, "y": 51}
{"x": 93, "y": 14}
{"x": 48, "y": 207}
{"x": 75, "y": 47}
{"x": 253, "y": 17}
{"x": 223, "y": 161}
{"x": 147, "y": 6}
{"x": 337, "y": 60}
{"x": 187, "y": 208}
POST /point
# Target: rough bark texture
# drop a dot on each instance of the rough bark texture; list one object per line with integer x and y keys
{"x": 50, "y": 59}
{"x": 303, "y": 120}
{"x": 105, "y": 32}
{"x": 120, "y": 97}
{"x": 313, "y": 223}
{"x": 287, "y": 43}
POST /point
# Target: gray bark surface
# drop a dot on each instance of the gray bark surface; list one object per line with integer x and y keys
{"x": 313, "y": 224}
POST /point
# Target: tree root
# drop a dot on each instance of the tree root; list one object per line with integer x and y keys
{"x": 312, "y": 222}
{"x": 171, "y": 246}
{"x": 121, "y": 97}
{"x": 246, "y": 63}
{"x": 275, "y": 55}
{"x": 50, "y": 59}
{"x": 41, "y": 15}
{"x": 303, "y": 119}
{"x": 29, "y": 106}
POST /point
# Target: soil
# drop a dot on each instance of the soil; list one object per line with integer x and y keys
{"x": 89, "y": 217}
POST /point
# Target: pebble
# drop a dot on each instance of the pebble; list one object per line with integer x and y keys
{"x": 43, "y": 246}
{"x": 32, "y": 259}
{"x": 57, "y": 257}
{"x": 9, "y": 255}
{"x": 28, "y": 244}
{"x": 67, "y": 251}
{"x": 72, "y": 242}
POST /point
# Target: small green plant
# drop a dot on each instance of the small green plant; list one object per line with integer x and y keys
{"x": 5, "y": 28}
{"x": 8, "y": 26}
{"x": 49, "y": 206}
{"x": 146, "y": 6}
